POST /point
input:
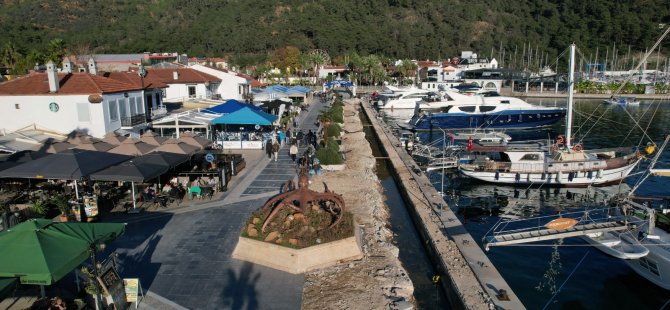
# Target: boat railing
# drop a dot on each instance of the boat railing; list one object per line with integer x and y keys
{"x": 535, "y": 228}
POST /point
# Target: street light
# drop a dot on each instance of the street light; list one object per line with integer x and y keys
{"x": 96, "y": 274}
{"x": 444, "y": 150}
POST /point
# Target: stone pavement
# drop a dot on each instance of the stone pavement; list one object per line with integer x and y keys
{"x": 183, "y": 256}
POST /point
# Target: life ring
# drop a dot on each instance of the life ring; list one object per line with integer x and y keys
{"x": 577, "y": 148}
{"x": 560, "y": 139}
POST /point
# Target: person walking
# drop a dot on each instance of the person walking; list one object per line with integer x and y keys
{"x": 293, "y": 151}
{"x": 299, "y": 137}
{"x": 275, "y": 149}
{"x": 288, "y": 136}
{"x": 268, "y": 148}
{"x": 282, "y": 137}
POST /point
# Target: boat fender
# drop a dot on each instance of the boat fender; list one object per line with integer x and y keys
{"x": 651, "y": 148}
{"x": 590, "y": 174}
{"x": 571, "y": 175}
{"x": 497, "y": 176}
{"x": 558, "y": 176}
{"x": 560, "y": 139}
{"x": 600, "y": 173}
{"x": 517, "y": 177}
{"x": 577, "y": 148}
{"x": 543, "y": 176}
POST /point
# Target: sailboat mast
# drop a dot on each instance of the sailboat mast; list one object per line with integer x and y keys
{"x": 571, "y": 88}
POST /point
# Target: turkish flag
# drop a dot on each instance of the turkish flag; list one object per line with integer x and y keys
{"x": 470, "y": 144}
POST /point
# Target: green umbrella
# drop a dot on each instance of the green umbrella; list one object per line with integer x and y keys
{"x": 42, "y": 252}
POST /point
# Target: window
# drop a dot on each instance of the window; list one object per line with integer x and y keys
{"x": 17, "y": 106}
{"x": 485, "y": 108}
{"x": 530, "y": 157}
{"x": 113, "y": 110}
{"x": 191, "y": 91}
{"x": 83, "y": 112}
{"x": 123, "y": 108}
{"x": 163, "y": 92}
{"x": 467, "y": 108}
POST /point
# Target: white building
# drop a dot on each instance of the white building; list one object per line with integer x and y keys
{"x": 232, "y": 86}
{"x": 63, "y": 102}
{"x": 184, "y": 83}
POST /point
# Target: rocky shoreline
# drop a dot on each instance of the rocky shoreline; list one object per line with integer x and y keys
{"x": 378, "y": 280}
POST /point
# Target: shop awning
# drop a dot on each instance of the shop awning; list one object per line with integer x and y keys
{"x": 246, "y": 116}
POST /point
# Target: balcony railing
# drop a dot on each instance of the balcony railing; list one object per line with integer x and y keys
{"x": 133, "y": 120}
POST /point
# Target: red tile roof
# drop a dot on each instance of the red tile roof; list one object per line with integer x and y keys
{"x": 70, "y": 84}
{"x": 186, "y": 75}
{"x": 134, "y": 79}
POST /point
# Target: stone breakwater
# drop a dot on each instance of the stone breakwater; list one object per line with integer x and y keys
{"x": 378, "y": 280}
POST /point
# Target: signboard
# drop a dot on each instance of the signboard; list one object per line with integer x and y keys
{"x": 132, "y": 289}
{"x": 209, "y": 157}
{"x": 236, "y": 145}
{"x": 252, "y": 145}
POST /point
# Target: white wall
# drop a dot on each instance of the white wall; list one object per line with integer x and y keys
{"x": 179, "y": 92}
{"x": 231, "y": 84}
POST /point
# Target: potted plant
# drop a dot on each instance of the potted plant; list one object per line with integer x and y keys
{"x": 63, "y": 206}
{"x": 38, "y": 208}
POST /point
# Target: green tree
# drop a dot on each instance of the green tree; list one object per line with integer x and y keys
{"x": 9, "y": 55}
{"x": 55, "y": 51}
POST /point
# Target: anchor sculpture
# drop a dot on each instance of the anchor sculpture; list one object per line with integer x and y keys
{"x": 329, "y": 201}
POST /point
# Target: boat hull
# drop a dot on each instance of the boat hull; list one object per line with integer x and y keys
{"x": 518, "y": 119}
{"x": 566, "y": 179}
{"x": 623, "y": 246}
{"x": 655, "y": 267}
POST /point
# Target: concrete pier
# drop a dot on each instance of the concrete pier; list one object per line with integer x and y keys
{"x": 469, "y": 278}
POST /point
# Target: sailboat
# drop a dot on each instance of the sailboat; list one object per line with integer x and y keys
{"x": 565, "y": 165}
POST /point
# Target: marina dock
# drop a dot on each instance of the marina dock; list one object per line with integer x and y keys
{"x": 464, "y": 268}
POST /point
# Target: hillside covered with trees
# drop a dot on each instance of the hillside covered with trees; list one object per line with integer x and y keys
{"x": 244, "y": 30}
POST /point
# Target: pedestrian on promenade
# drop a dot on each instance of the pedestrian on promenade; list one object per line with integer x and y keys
{"x": 300, "y": 136}
{"x": 293, "y": 151}
{"x": 288, "y": 136}
{"x": 282, "y": 136}
{"x": 275, "y": 149}
{"x": 268, "y": 148}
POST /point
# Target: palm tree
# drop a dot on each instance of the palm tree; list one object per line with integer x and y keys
{"x": 56, "y": 51}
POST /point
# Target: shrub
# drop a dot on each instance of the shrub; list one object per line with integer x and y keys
{"x": 328, "y": 156}
{"x": 331, "y": 143}
{"x": 337, "y": 114}
{"x": 333, "y": 130}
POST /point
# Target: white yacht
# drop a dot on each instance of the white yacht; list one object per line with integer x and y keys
{"x": 401, "y": 98}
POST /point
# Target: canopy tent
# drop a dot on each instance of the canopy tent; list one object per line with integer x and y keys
{"x": 229, "y": 106}
{"x": 20, "y": 158}
{"x": 190, "y": 138}
{"x": 246, "y": 116}
{"x": 42, "y": 252}
{"x": 93, "y": 145}
{"x": 166, "y": 159}
{"x": 176, "y": 146}
{"x": 131, "y": 171}
{"x": 151, "y": 138}
{"x": 71, "y": 164}
{"x": 133, "y": 147}
{"x": 113, "y": 138}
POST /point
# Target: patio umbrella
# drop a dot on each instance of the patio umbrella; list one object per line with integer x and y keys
{"x": 42, "y": 252}
{"x": 71, "y": 164}
{"x": 150, "y": 137}
{"x": 133, "y": 147}
{"x": 113, "y": 138}
{"x": 130, "y": 171}
{"x": 176, "y": 146}
{"x": 189, "y": 138}
{"x": 93, "y": 145}
{"x": 20, "y": 158}
{"x": 57, "y": 147}
{"x": 169, "y": 160}
{"x": 79, "y": 138}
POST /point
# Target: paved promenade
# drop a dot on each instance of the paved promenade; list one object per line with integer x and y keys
{"x": 183, "y": 256}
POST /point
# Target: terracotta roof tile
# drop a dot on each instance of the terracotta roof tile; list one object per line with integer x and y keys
{"x": 134, "y": 79}
{"x": 186, "y": 75}
{"x": 70, "y": 84}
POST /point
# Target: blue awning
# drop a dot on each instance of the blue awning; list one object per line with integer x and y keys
{"x": 229, "y": 106}
{"x": 246, "y": 116}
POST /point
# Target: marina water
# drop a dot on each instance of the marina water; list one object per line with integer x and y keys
{"x": 412, "y": 253}
{"x": 567, "y": 274}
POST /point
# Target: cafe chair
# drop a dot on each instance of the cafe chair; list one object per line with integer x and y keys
{"x": 207, "y": 192}
{"x": 195, "y": 191}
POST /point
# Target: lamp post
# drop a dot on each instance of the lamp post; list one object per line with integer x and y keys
{"x": 96, "y": 275}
